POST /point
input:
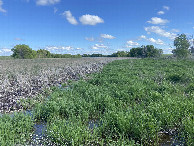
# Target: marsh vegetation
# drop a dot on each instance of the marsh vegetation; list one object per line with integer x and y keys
{"x": 130, "y": 102}
{"x": 31, "y": 78}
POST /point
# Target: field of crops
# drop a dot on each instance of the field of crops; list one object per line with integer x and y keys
{"x": 22, "y": 79}
{"x": 131, "y": 102}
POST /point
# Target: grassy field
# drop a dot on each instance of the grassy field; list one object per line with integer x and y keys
{"x": 131, "y": 102}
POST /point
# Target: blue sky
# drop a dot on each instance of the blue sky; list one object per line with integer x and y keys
{"x": 93, "y": 26}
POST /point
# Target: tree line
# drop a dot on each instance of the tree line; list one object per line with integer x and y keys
{"x": 181, "y": 42}
{"x": 25, "y": 52}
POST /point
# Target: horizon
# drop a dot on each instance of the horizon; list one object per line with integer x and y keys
{"x": 99, "y": 27}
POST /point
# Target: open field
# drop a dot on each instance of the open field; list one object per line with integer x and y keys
{"x": 21, "y": 79}
{"x": 131, "y": 102}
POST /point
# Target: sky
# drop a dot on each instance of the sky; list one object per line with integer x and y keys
{"x": 93, "y": 26}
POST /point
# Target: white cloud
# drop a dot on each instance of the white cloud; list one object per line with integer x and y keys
{"x": 175, "y": 30}
{"x": 167, "y": 50}
{"x": 152, "y": 40}
{"x": 128, "y": 46}
{"x": 193, "y": 27}
{"x": 91, "y": 39}
{"x": 107, "y": 36}
{"x": 47, "y": 2}
{"x": 55, "y": 10}
{"x": 131, "y": 43}
{"x": 6, "y": 50}
{"x": 191, "y": 41}
{"x": 99, "y": 46}
{"x": 1, "y": 9}
{"x": 156, "y": 20}
{"x": 166, "y": 7}
{"x": 160, "y": 12}
{"x": 160, "y": 31}
{"x": 90, "y": 19}
{"x": 71, "y": 19}
{"x": 158, "y": 42}
{"x": 60, "y": 49}
{"x": 79, "y": 48}
{"x": 142, "y": 37}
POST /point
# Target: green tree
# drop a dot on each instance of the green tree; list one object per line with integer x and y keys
{"x": 43, "y": 53}
{"x": 121, "y": 54}
{"x": 23, "y": 52}
{"x": 145, "y": 51}
{"x": 136, "y": 52}
{"x": 151, "y": 51}
{"x": 182, "y": 45}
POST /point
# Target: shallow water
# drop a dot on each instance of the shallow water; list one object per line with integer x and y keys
{"x": 94, "y": 124}
{"x": 169, "y": 140}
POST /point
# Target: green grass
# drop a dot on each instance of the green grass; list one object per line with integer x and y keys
{"x": 130, "y": 101}
{"x": 5, "y": 57}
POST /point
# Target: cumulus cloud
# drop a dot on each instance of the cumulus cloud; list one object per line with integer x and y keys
{"x": 55, "y": 10}
{"x": 70, "y": 18}
{"x": 160, "y": 31}
{"x": 175, "y": 30}
{"x": 107, "y": 36}
{"x": 99, "y": 46}
{"x": 131, "y": 43}
{"x": 1, "y": 8}
{"x": 166, "y": 7}
{"x": 160, "y": 12}
{"x": 5, "y": 52}
{"x": 156, "y": 20}
{"x": 60, "y": 49}
{"x": 91, "y": 39}
{"x": 158, "y": 41}
{"x": 142, "y": 37}
{"x": 90, "y": 19}
{"x": 128, "y": 46}
{"x": 167, "y": 50}
{"x": 47, "y": 2}
{"x": 152, "y": 40}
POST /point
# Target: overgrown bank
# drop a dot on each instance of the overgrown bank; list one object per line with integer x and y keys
{"x": 130, "y": 102}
